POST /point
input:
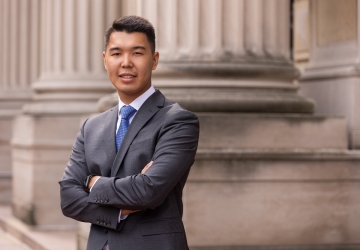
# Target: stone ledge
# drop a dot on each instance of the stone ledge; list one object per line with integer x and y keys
{"x": 275, "y": 166}
{"x": 272, "y": 131}
{"x": 276, "y": 154}
{"x": 310, "y": 247}
{"x": 36, "y": 239}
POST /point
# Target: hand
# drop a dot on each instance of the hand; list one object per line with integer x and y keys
{"x": 127, "y": 212}
{"x": 146, "y": 167}
{"x": 92, "y": 181}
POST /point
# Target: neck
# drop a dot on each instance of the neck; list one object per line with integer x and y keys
{"x": 129, "y": 98}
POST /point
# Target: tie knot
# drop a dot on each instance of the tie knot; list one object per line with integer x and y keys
{"x": 127, "y": 112}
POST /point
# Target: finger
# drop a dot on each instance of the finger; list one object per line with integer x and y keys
{"x": 126, "y": 211}
{"x": 146, "y": 167}
{"x": 149, "y": 164}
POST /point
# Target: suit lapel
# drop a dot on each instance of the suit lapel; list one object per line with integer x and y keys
{"x": 109, "y": 129}
{"x": 146, "y": 111}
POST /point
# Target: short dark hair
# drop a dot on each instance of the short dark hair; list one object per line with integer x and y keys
{"x": 131, "y": 24}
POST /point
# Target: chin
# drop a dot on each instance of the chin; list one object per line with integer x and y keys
{"x": 128, "y": 92}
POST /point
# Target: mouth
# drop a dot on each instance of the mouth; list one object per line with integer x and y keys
{"x": 127, "y": 75}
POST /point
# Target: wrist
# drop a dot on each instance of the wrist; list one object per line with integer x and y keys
{"x": 93, "y": 181}
{"x": 87, "y": 182}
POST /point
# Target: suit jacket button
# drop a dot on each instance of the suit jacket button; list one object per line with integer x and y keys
{"x": 105, "y": 231}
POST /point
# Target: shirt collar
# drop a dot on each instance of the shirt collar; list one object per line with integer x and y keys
{"x": 139, "y": 101}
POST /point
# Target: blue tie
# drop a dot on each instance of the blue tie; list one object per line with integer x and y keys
{"x": 126, "y": 113}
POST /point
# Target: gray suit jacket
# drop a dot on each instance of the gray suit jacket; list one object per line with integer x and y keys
{"x": 161, "y": 131}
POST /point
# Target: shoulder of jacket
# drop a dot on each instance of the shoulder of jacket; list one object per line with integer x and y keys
{"x": 100, "y": 117}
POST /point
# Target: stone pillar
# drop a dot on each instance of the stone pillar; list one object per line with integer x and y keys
{"x": 225, "y": 55}
{"x": 332, "y": 77}
{"x": 260, "y": 181}
{"x": 19, "y": 66}
{"x": 72, "y": 78}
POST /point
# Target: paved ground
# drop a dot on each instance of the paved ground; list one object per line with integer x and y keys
{"x": 8, "y": 242}
{"x": 14, "y": 235}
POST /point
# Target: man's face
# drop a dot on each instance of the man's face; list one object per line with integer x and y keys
{"x": 129, "y": 62}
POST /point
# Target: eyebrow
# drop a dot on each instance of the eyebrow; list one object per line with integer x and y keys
{"x": 139, "y": 47}
{"x": 134, "y": 48}
{"x": 114, "y": 48}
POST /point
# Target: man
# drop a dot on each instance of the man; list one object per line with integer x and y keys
{"x": 129, "y": 165}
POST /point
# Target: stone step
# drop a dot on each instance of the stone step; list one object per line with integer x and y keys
{"x": 8, "y": 242}
{"x": 35, "y": 237}
{"x": 294, "y": 198}
{"x": 275, "y": 131}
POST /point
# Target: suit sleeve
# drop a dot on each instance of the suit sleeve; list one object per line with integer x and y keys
{"x": 74, "y": 198}
{"x": 174, "y": 154}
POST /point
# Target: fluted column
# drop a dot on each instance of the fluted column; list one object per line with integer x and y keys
{"x": 72, "y": 79}
{"x": 225, "y": 55}
{"x": 72, "y": 67}
{"x": 220, "y": 30}
{"x": 19, "y": 66}
{"x": 19, "y": 49}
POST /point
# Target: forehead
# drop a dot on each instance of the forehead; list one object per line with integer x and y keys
{"x": 125, "y": 40}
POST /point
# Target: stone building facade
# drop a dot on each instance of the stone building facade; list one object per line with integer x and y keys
{"x": 274, "y": 168}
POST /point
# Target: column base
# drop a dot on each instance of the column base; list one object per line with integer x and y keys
{"x": 82, "y": 235}
{"x": 5, "y": 188}
{"x": 337, "y": 96}
{"x": 235, "y": 95}
{"x": 24, "y": 212}
{"x": 40, "y": 150}
{"x": 279, "y": 180}
{"x": 266, "y": 200}
{"x": 6, "y": 121}
{"x": 209, "y": 95}
{"x": 310, "y": 247}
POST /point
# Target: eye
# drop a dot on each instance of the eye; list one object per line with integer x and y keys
{"x": 137, "y": 53}
{"x": 115, "y": 54}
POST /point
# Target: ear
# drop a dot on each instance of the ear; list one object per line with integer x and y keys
{"x": 104, "y": 58}
{"x": 155, "y": 60}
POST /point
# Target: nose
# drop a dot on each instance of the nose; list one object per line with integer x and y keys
{"x": 126, "y": 62}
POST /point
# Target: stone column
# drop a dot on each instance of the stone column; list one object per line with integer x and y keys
{"x": 225, "y": 55}
{"x": 260, "y": 180}
{"x": 72, "y": 78}
{"x": 332, "y": 75}
{"x": 19, "y": 66}
{"x": 253, "y": 182}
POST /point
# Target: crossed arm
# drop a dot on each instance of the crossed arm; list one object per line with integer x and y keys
{"x": 124, "y": 212}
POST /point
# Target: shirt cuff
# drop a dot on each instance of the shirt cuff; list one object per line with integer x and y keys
{"x": 122, "y": 217}
{"x": 94, "y": 183}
